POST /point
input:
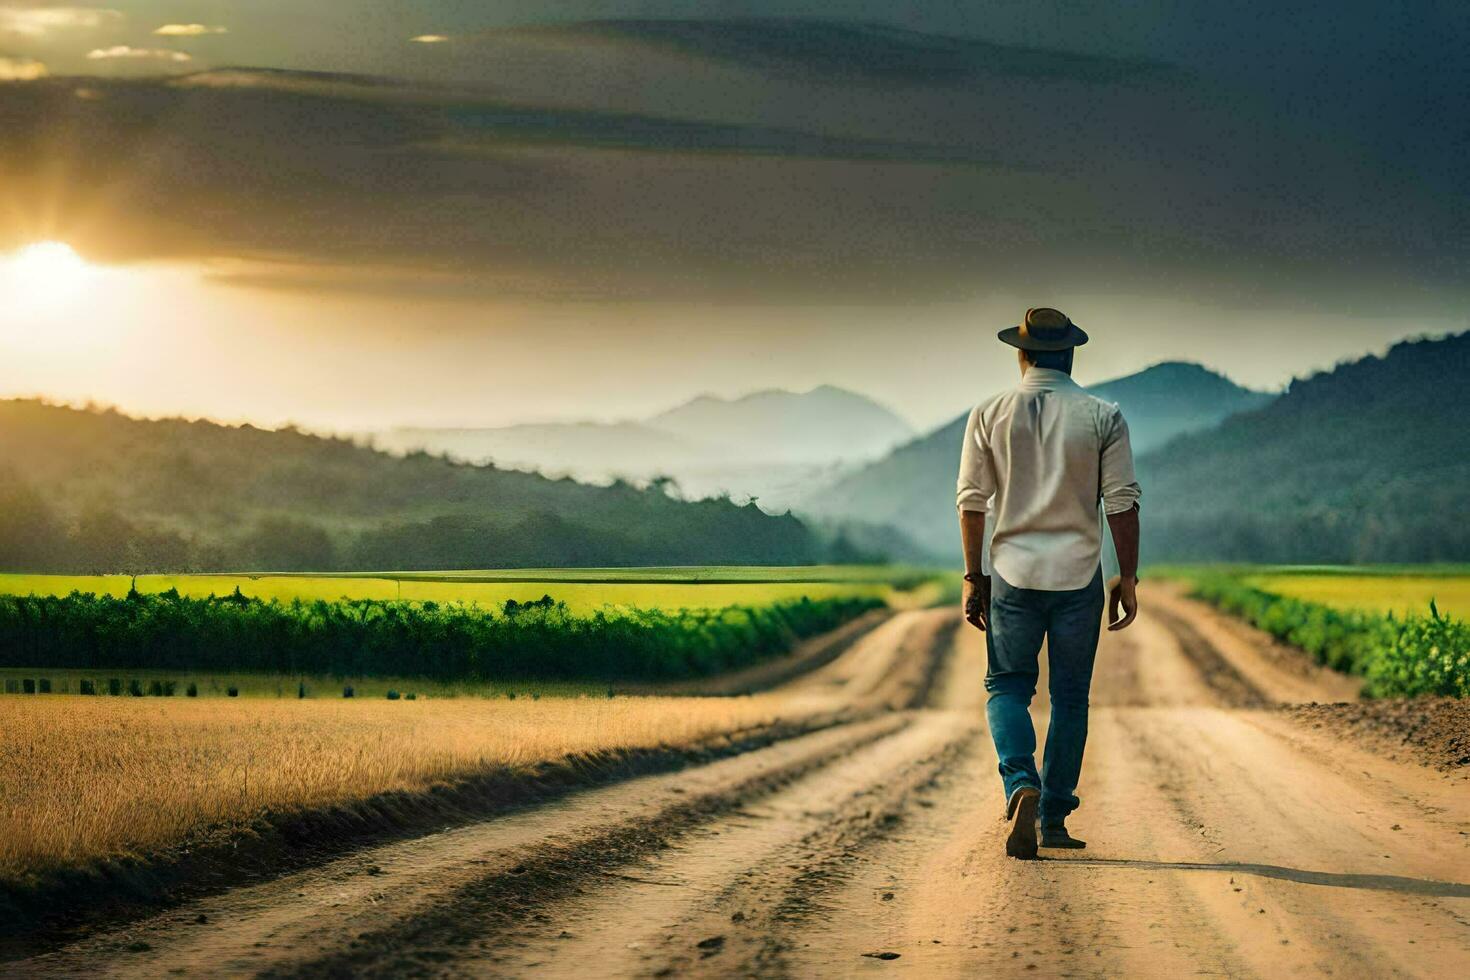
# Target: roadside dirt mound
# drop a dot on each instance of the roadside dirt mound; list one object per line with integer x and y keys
{"x": 1431, "y": 731}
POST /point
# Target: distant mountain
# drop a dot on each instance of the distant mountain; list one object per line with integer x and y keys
{"x": 913, "y": 487}
{"x": 824, "y": 425}
{"x": 1367, "y": 462}
{"x": 771, "y": 445}
{"x": 1174, "y": 398}
{"x": 99, "y": 491}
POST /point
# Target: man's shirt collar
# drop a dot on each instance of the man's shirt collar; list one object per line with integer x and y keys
{"x": 1045, "y": 379}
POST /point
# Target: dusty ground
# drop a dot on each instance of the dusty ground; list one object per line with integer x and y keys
{"x": 1434, "y": 731}
{"x": 1225, "y": 837}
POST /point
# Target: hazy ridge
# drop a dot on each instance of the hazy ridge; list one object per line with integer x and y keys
{"x": 1367, "y": 462}
{"x": 100, "y": 491}
{"x": 771, "y": 445}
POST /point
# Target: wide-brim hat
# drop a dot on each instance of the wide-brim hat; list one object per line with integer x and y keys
{"x": 1044, "y": 328}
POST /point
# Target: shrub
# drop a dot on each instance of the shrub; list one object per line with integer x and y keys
{"x": 369, "y": 638}
{"x": 1423, "y": 655}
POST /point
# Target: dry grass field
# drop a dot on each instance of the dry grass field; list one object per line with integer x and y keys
{"x": 88, "y": 778}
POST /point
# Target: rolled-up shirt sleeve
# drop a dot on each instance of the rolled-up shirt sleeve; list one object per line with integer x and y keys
{"x": 1120, "y": 490}
{"x": 976, "y": 484}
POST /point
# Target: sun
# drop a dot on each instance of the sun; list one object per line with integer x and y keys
{"x": 48, "y": 265}
{"x": 42, "y": 276}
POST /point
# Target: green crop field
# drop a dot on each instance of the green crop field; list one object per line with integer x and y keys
{"x": 490, "y": 633}
{"x": 221, "y": 684}
{"x": 1405, "y": 629}
{"x": 583, "y": 590}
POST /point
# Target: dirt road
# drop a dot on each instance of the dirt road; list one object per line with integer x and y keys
{"x": 1224, "y": 839}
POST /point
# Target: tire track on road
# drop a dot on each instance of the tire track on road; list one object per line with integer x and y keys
{"x": 1232, "y": 687}
{"x": 341, "y": 918}
{"x": 721, "y": 901}
{"x": 492, "y": 913}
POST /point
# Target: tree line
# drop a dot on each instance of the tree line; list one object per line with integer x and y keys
{"x": 38, "y": 537}
{"x": 96, "y": 491}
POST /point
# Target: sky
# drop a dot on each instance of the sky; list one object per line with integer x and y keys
{"x": 359, "y": 214}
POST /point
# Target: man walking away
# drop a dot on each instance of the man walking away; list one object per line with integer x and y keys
{"x": 1036, "y": 461}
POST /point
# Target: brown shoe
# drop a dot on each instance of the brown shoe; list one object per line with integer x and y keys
{"x": 1056, "y": 836}
{"x": 1021, "y": 812}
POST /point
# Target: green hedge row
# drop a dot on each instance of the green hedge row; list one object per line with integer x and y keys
{"x": 367, "y": 638}
{"x": 1397, "y": 657}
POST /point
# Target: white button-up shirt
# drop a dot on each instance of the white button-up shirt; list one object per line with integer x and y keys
{"x": 1038, "y": 458}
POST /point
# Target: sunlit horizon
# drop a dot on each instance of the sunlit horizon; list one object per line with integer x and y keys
{"x": 200, "y": 340}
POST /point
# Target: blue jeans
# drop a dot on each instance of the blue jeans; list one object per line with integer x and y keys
{"x": 1070, "y": 622}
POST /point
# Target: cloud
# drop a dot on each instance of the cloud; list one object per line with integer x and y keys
{"x": 545, "y": 180}
{"x": 34, "y": 21}
{"x": 190, "y": 30}
{"x": 136, "y": 54}
{"x": 430, "y": 38}
{"x": 821, "y": 47}
{"x": 21, "y": 69}
{"x": 285, "y": 80}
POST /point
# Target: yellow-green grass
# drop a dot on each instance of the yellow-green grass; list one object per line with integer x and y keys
{"x": 87, "y": 778}
{"x": 583, "y": 590}
{"x": 1398, "y": 594}
{"x": 1399, "y": 589}
{"x": 889, "y": 574}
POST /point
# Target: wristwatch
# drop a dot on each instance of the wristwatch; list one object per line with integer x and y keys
{"x": 973, "y": 577}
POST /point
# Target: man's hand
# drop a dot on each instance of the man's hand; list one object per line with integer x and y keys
{"x": 977, "y": 602}
{"x": 1122, "y": 593}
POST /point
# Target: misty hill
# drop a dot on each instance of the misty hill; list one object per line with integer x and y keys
{"x": 97, "y": 490}
{"x": 1368, "y": 462}
{"x": 824, "y": 425}
{"x": 769, "y": 444}
{"x": 913, "y": 487}
{"x": 1174, "y": 398}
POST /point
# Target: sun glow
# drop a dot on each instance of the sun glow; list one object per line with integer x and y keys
{"x": 42, "y": 276}
{"x": 52, "y": 299}
{"x": 48, "y": 264}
